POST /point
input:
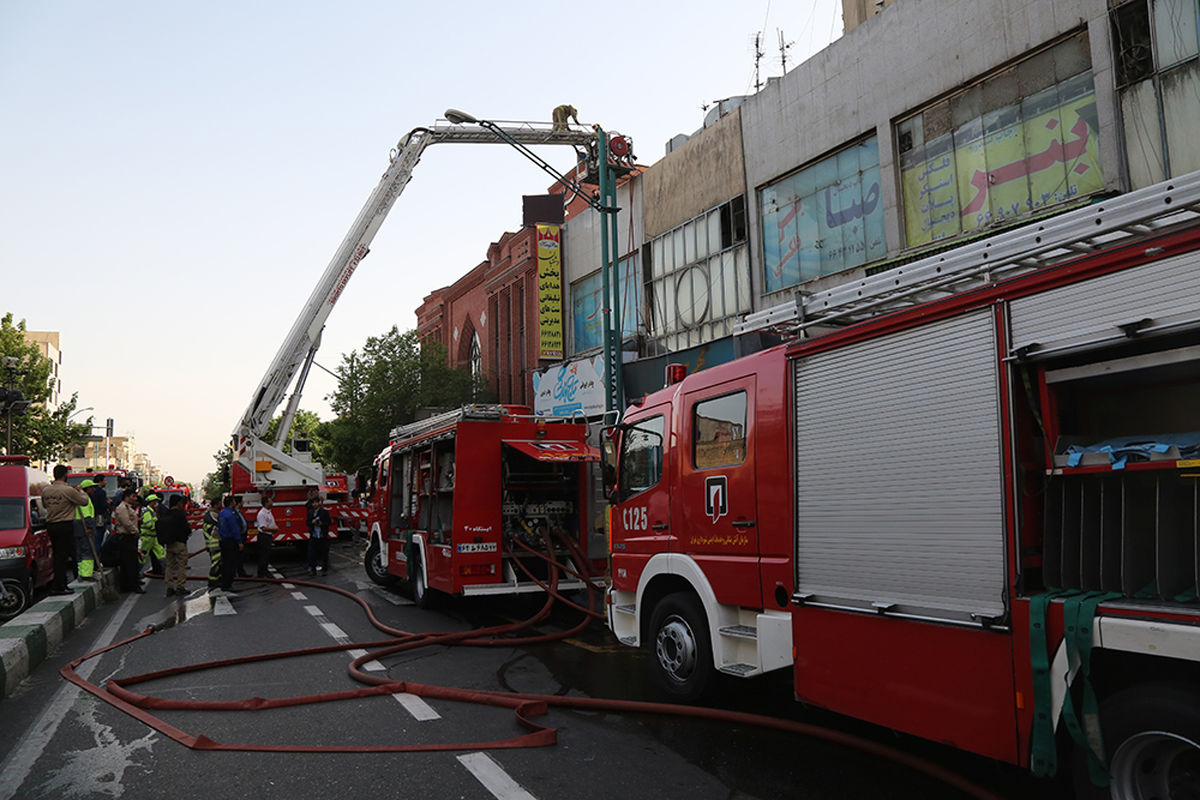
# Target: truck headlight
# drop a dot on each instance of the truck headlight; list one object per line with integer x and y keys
{"x": 12, "y": 552}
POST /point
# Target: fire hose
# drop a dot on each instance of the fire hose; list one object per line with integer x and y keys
{"x": 525, "y": 707}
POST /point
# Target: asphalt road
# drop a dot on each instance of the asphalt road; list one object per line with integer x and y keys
{"x": 56, "y": 741}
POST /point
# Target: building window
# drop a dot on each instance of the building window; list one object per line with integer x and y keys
{"x": 1015, "y": 142}
{"x": 824, "y": 218}
{"x": 475, "y": 358}
{"x": 697, "y": 279}
{"x": 719, "y": 431}
{"x": 587, "y": 308}
{"x": 1157, "y": 57}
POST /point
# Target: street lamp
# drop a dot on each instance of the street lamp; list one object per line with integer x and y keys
{"x": 606, "y": 205}
{"x": 79, "y": 411}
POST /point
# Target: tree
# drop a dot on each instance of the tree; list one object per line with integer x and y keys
{"x": 40, "y": 433}
{"x": 387, "y": 384}
{"x": 217, "y": 483}
{"x": 305, "y": 425}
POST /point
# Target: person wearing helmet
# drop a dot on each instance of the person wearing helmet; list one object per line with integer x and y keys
{"x": 85, "y": 533}
{"x": 151, "y": 551}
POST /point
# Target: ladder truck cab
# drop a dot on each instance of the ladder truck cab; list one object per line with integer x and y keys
{"x": 964, "y": 503}
{"x": 478, "y": 501}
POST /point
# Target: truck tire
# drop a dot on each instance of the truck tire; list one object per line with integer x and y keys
{"x": 681, "y": 651}
{"x": 14, "y": 599}
{"x": 422, "y": 595}
{"x": 374, "y": 565}
{"x": 1152, "y": 735}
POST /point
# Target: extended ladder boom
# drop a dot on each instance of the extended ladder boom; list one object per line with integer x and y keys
{"x": 1120, "y": 220}
{"x": 300, "y": 345}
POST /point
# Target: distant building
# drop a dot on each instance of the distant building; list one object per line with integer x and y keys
{"x": 48, "y": 345}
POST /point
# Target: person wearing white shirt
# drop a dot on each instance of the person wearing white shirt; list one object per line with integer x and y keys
{"x": 265, "y": 522}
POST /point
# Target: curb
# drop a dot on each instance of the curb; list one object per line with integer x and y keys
{"x": 27, "y": 639}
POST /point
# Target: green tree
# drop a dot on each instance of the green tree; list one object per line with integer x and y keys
{"x": 305, "y": 425}
{"x": 387, "y": 384}
{"x": 40, "y": 433}
{"x": 217, "y": 483}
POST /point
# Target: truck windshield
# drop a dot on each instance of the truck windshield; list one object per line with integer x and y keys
{"x": 642, "y": 455}
{"x": 12, "y": 513}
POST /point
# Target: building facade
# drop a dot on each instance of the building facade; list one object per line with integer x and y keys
{"x": 48, "y": 345}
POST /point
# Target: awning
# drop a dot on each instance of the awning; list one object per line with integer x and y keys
{"x": 555, "y": 451}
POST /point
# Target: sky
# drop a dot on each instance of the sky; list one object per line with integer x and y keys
{"x": 174, "y": 177}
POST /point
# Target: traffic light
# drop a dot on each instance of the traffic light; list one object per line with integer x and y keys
{"x": 108, "y": 428}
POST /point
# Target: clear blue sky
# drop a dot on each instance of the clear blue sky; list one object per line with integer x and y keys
{"x": 175, "y": 177}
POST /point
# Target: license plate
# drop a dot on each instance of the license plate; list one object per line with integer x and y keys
{"x": 477, "y": 547}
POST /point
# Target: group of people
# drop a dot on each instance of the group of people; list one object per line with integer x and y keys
{"x": 78, "y": 522}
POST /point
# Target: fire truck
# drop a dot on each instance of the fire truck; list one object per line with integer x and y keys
{"x": 113, "y": 479}
{"x": 260, "y": 467}
{"x": 477, "y": 501}
{"x": 960, "y": 501}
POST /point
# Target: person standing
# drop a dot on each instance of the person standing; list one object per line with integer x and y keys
{"x": 153, "y": 552}
{"x": 230, "y": 534}
{"x": 85, "y": 534}
{"x": 100, "y": 504}
{"x": 241, "y": 520}
{"x": 265, "y": 522}
{"x": 60, "y": 500}
{"x": 212, "y": 542}
{"x": 173, "y": 534}
{"x": 126, "y": 529}
{"x": 318, "y": 536}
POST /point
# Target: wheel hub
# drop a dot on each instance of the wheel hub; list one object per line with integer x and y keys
{"x": 676, "y": 648}
{"x": 1156, "y": 764}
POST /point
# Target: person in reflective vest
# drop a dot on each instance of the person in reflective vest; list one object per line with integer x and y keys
{"x": 150, "y": 548}
{"x": 212, "y": 542}
{"x": 85, "y": 532}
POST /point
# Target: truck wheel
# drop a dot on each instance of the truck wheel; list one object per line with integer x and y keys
{"x": 1152, "y": 735}
{"x": 14, "y": 598}
{"x": 421, "y": 594}
{"x": 682, "y": 653}
{"x": 374, "y": 564}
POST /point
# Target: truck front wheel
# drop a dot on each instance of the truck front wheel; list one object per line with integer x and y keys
{"x": 374, "y": 564}
{"x": 14, "y": 598}
{"x": 682, "y": 664}
{"x": 1152, "y": 735}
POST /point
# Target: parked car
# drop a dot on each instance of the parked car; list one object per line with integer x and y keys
{"x": 26, "y": 561}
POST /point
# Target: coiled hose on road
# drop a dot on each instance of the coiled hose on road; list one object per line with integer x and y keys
{"x": 525, "y": 707}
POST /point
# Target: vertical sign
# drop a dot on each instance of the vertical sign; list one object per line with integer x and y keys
{"x": 549, "y": 258}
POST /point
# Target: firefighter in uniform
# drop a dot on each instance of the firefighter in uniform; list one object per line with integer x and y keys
{"x": 152, "y": 551}
{"x": 85, "y": 532}
{"x": 212, "y": 542}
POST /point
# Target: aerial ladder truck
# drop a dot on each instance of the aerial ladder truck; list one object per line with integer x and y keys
{"x": 262, "y": 467}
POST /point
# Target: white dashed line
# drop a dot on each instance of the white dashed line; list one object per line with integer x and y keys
{"x": 421, "y": 711}
{"x": 339, "y": 636}
{"x": 493, "y": 777}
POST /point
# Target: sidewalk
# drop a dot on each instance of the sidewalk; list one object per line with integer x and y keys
{"x": 26, "y": 640}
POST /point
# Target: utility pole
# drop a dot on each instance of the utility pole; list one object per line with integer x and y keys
{"x": 783, "y": 48}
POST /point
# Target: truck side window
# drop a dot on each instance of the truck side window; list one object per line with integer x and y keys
{"x": 719, "y": 431}
{"x": 642, "y": 456}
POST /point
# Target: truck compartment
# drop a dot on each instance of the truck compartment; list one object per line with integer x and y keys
{"x": 1121, "y": 497}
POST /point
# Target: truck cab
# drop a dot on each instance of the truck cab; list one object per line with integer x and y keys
{"x": 701, "y": 553}
{"x": 25, "y": 557}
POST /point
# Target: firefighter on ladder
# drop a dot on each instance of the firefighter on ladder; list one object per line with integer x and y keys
{"x": 152, "y": 551}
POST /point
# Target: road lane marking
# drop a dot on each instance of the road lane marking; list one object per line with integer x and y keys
{"x": 299, "y": 596}
{"x": 339, "y": 636}
{"x": 493, "y": 777}
{"x": 222, "y": 607}
{"x": 37, "y": 736}
{"x": 421, "y": 711}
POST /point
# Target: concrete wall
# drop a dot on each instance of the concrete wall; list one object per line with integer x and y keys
{"x": 894, "y": 63}
{"x": 700, "y": 174}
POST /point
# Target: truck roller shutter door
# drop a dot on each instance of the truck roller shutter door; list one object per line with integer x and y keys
{"x": 1090, "y": 313}
{"x": 898, "y": 474}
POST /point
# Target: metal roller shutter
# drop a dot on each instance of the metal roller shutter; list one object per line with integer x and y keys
{"x": 898, "y": 471}
{"x": 1090, "y": 312}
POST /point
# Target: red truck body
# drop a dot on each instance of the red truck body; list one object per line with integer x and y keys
{"x": 910, "y": 512}
{"x": 460, "y": 500}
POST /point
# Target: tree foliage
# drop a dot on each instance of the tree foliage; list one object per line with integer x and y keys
{"x": 388, "y": 383}
{"x": 217, "y": 483}
{"x": 40, "y": 433}
{"x": 305, "y": 425}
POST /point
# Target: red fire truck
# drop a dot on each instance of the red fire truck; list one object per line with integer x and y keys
{"x": 472, "y": 501}
{"x": 114, "y": 480}
{"x": 963, "y": 504}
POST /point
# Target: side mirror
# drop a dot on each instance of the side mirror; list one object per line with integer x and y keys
{"x": 610, "y": 450}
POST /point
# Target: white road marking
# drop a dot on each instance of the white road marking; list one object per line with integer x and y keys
{"x": 299, "y": 596}
{"x": 339, "y": 636}
{"x": 493, "y": 777}
{"x": 421, "y": 711}
{"x": 37, "y": 736}
{"x": 222, "y": 607}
